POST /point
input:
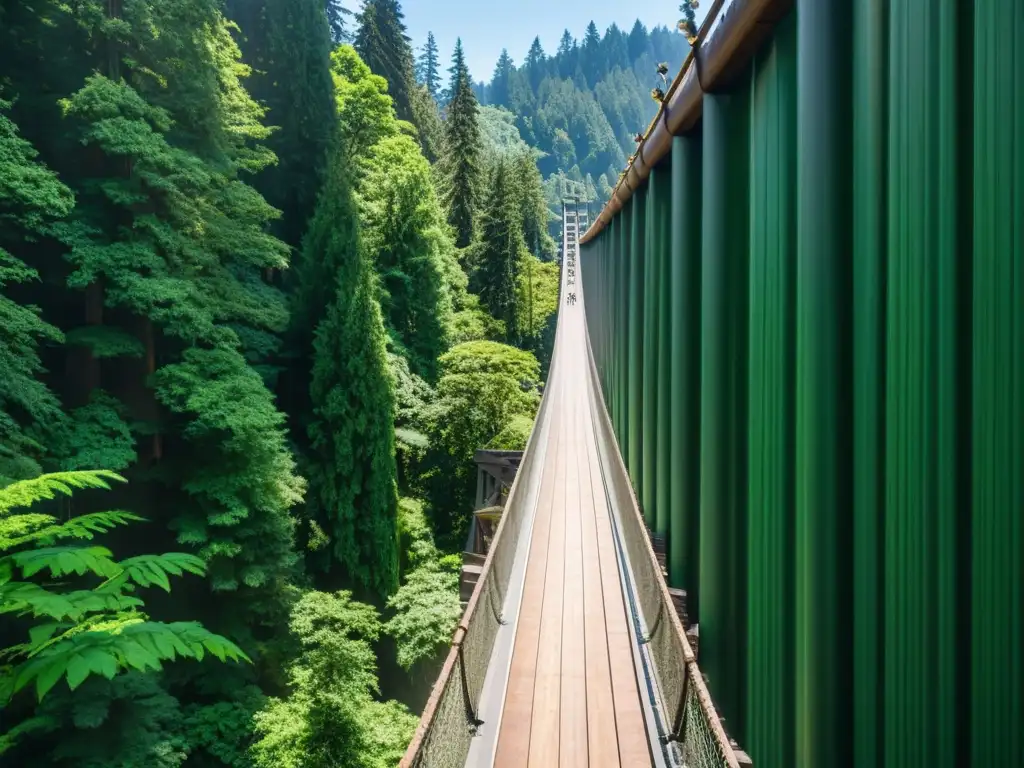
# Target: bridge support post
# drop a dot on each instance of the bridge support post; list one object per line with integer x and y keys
{"x": 684, "y": 373}
{"x": 724, "y": 401}
{"x": 635, "y": 339}
{"x": 823, "y": 660}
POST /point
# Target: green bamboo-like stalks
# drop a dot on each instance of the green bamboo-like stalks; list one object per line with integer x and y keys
{"x": 685, "y": 376}
{"x": 723, "y": 402}
{"x": 770, "y": 540}
{"x": 996, "y": 694}
{"x": 661, "y": 182}
{"x": 635, "y": 344}
{"x": 823, "y": 444}
{"x": 870, "y": 103}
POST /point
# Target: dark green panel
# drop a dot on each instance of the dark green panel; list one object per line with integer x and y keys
{"x": 622, "y": 327}
{"x": 996, "y": 693}
{"x": 723, "y": 402}
{"x": 823, "y": 444}
{"x": 635, "y": 305}
{"x": 870, "y": 88}
{"x": 684, "y": 374}
{"x": 770, "y": 663}
{"x": 921, "y": 396}
{"x": 661, "y": 202}
{"x": 651, "y": 364}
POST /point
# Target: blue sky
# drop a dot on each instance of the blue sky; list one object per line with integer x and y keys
{"x": 487, "y": 26}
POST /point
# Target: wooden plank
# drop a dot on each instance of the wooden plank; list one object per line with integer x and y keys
{"x": 513, "y": 748}
{"x": 574, "y": 748}
{"x": 634, "y": 748}
{"x": 545, "y": 725}
{"x": 601, "y": 731}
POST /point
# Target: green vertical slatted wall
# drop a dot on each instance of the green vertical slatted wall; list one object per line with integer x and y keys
{"x": 770, "y": 539}
{"x": 810, "y": 328}
{"x": 649, "y": 386}
{"x": 684, "y": 371}
{"x": 996, "y": 528}
{"x": 660, "y": 244}
{"x": 723, "y": 373}
{"x": 870, "y": 89}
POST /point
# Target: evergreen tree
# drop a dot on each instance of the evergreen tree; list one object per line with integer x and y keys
{"x": 638, "y": 42}
{"x": 461, "y": 161}
{"x": 365, "y": 111}
{"x": 428, "y": 73}
{"x": 405, "y": 236}
{"x": 336, "y": 13}
{"x": 592, "y": 55}
{"x": 353, "y": 498}
{"x": 532, "y": 206}
{"x": 430, "y": 129}
{"x": 500, "y": 82}
{"x": 383, "y": 45}
{"x": 536, "y": 64}
{"x": 500, "y": 249}
{"x": 616, "y": 48}
{"x": 288, "y": 44}
{"x": 565, "y": 57}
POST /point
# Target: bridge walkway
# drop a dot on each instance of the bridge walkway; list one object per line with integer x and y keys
{"x": 563, "y": 689}
{"x": 572, "y": 697}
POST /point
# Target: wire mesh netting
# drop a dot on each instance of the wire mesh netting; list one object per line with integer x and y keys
{"x": 688, "y": 712}
{"x": 448, "y": 722}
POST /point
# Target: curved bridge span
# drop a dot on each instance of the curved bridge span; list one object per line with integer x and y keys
{"x": 571, "y": 652}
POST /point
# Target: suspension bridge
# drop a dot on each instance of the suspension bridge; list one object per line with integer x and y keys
{"x": 772, "y": 508}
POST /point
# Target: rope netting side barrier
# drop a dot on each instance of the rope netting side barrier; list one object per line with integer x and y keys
{"x": 450, "y": 718}
{"x": 692, "y": 728}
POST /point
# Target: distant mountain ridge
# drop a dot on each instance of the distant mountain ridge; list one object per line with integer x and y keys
{"x": 583, "y": 105}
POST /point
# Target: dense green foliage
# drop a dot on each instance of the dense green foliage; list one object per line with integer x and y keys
{"x": 256, "y": 270}
{"x": 484, "y": 386}
{"x": 331, "y": 719}
{"x": 89, "y": 622}
{"x": 351, "y": 457}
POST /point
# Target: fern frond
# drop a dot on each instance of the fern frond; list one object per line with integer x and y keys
{"x": 27, "y": 492}
{"x": 63, "y": 561}
{"x": 26, "y": 598}
{"x": 45, "y": 529}
{"x": 149, "y": 570}
{"x": 132, "y": 645}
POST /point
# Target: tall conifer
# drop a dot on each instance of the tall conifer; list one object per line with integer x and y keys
{"x": 383, "y": 44}
{"x": 427, "y": 66}
{"x": 501, "y": 81}
{"x": 353, "y": 498}
{"x": 336, "y": 13}
{"x": 288, "y": 44}
{"x": 500, "y": 249}
{"x": 462, "y": 153}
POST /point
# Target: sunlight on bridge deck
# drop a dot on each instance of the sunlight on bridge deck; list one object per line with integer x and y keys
{"x": 563, "y": 688}
{"x": 572, "y": 697}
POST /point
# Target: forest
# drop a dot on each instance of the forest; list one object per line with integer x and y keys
{"x": 268, "y": 278}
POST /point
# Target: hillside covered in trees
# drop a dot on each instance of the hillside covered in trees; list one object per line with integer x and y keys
{"x": 267, "y": 281}
{"x": 581, "y": 105}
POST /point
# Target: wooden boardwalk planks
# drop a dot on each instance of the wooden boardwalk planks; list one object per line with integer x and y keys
{"x": 572, "y": 697}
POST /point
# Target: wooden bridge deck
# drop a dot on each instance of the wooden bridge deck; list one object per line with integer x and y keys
{"x": 572, "y": 696}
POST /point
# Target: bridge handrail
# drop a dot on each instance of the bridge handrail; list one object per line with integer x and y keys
{"x": 727, "y": 39}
